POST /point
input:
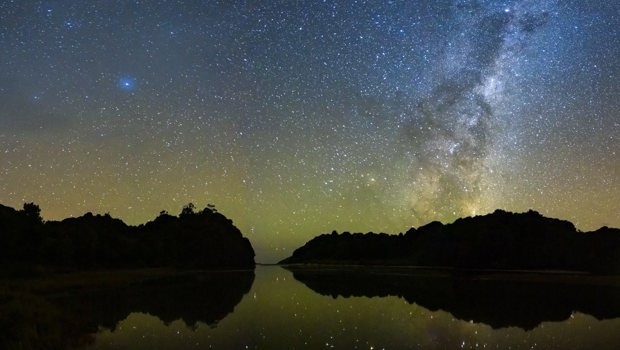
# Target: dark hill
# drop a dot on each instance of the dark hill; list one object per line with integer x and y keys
{"x": 501, "y": 240}
{"x": 197, "y": 240}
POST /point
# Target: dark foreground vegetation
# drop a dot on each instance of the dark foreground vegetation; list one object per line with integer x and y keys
{"x": 202, "y": 239}
{"x": 501, "y": 240}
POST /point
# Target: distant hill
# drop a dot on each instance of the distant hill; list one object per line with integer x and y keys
{"x": 193, "y": 240}
{"x": 500, "y": 240}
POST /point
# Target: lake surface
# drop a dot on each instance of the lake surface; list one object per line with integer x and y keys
{"x": 274, "y": 308}
{"x": 282, "y": 310}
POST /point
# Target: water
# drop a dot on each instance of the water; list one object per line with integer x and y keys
{"x": 275, "y": 308}
{"x": 281, "y": 312}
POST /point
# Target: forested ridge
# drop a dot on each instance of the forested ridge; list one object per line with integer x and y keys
{"x": 193, "y": 239}
{"x": 500, "y": 240}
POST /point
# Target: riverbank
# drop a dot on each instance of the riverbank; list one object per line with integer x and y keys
{"x": 53, "y": 282}
{"x": 525, "y": 276}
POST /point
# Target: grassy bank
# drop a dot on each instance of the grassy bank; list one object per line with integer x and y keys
{"x": 52, "y": 282}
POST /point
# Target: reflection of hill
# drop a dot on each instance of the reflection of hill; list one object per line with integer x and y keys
{"x": 521, "y": 300}
{"x": 198, "y": 297}
{"x": 68, "y": 320}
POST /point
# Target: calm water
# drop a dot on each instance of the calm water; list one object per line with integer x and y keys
{"x": 286, "y": 311}
{"x": 274, "y": 308}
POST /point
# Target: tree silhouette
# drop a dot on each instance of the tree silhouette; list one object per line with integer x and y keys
{"x": 32, "y": 212}
{"x": 204, "y": 239}
{"x": 501, "y": 240}
{"x": 188, "y": 209}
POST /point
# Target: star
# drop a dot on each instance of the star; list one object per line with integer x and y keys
{"x": 127, "y": 83}
{"x": 297, "y": 118}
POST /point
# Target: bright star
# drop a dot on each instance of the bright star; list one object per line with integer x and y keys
{"x": 127, "y": 83}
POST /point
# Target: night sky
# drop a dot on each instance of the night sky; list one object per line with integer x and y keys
{"x": 295, "y": 118}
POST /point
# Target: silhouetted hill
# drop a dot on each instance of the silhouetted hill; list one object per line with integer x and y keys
{"x": 501, "y": 240}
{"x": 204, "y": 239}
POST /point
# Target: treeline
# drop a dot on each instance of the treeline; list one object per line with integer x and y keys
{"x": 193, "y": 239}
{"x": 501, "y": 240}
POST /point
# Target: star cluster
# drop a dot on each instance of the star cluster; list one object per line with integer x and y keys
{"x": 296, "y": 118}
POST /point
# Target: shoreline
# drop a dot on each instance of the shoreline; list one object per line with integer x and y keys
{"x": 70, "y": 281}
{"x": 487, "y": 275}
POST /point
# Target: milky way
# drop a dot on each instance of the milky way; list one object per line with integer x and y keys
{"x": 297, "y": 118}
{"x": 454, "y": 128}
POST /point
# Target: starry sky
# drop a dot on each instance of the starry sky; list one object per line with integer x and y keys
{"x": 295, "y": 118}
